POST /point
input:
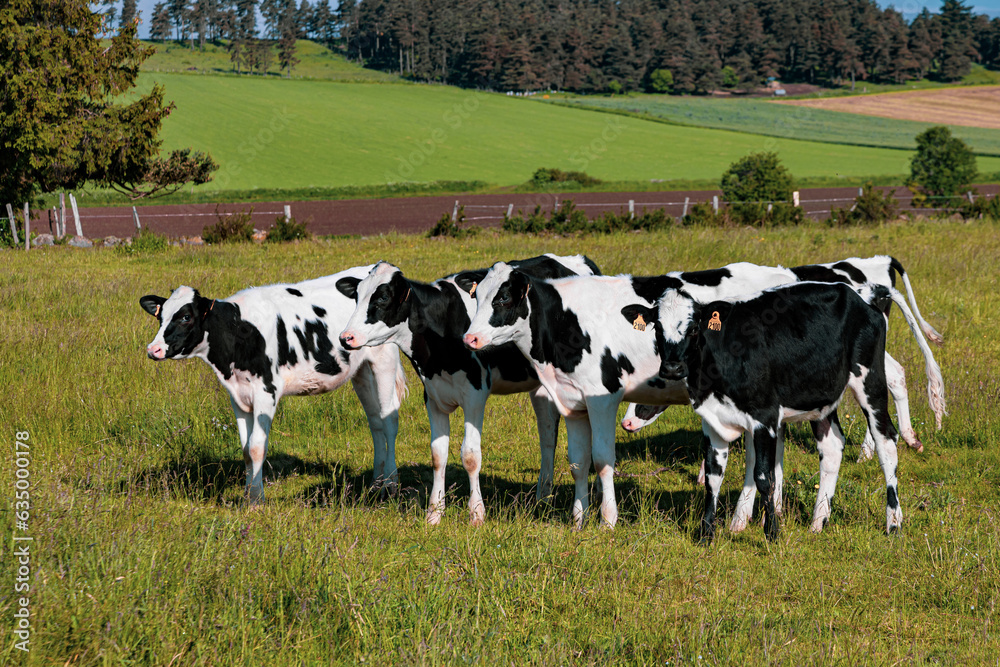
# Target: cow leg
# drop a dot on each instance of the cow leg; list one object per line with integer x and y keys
{"x": 872, "y": 395}
{"x": 440, "y": 431}
{"x": 255, "y": 452}
{"x": 766, "y": 445}
{"x": 779, "y": 470}
{"x": 716, "y": 451}
{"x": 378, "y": 399}
{"x": 895, "y": 378}
{"x": 244, "y": 424}
{"x": 603, "y": 411}
{"x": 830, "y": 443}
{"x": 744, "y": 505}
{"x": 547, "y": 416}
{"x": 578, "y": 447}
{"x": 472, "y": 454}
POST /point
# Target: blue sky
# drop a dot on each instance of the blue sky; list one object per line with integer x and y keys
{"x": 909, "y": 8}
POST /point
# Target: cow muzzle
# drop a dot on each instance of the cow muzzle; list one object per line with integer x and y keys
{"x": 673, "y": 370}
{"x": 156, "y": 351}
{"x": 475, "y": 341}
{"x": 351, "y": 340}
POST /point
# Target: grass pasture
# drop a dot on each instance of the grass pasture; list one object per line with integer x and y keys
{"x": 143, "y": 555}
{"x": 289, "y": 134}
{"x": 827, "y": 119}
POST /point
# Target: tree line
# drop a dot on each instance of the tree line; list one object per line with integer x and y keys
{"x": 683, "y": 46}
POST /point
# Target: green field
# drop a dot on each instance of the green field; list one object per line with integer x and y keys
{"x": 273, "y": 133}
{"x": 758, "y": 116}
{"x": 143, "y": 555}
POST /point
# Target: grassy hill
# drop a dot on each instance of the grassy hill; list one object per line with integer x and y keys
{"x": 279, "y": 133}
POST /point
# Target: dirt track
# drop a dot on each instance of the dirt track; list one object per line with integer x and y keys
{"x": 417, "y": 214}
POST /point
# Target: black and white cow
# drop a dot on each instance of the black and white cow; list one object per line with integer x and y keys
{"x": 786, "y": 354}
{"x": 584, "y": 352}
{"x": 427, "y": 322}
{"x": 743, "y": 278}
{"x": 267, "y": 342}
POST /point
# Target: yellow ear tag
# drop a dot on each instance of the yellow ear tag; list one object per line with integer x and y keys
{"x": 715, "y": 324}
{"x": 472, "y": 292}
{"x": 639, "y": 323}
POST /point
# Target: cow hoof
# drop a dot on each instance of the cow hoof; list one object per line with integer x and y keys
{"x": 477, "y": 518}
{"x": 434, "y": 517}
{"x": 817, "y": 526}
{"x": 738, "y": 524}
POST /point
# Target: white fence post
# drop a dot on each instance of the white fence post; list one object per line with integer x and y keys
{"x": 687, "y": 200}
{"x": 27, "y": 227}
{"x": 454, "y": 212}
{"x": 795, "y": 198}
{"x": 631, "y": 208}
{"x": 13, "y": 224}
{"x": 715, "y": 203}
{"x": 969, "y": 195}
{"x": 510, "y": 210}
{"x": 135, "y": 216}
{"x": 288, "y": 212}
{"x": 76, "y": 214}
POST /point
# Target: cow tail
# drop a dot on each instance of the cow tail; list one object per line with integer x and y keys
{"x": 928, "y": 330}
{"x": 935, "y": 383}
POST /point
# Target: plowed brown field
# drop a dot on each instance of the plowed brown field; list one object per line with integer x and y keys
{"x": 975, "y": 107}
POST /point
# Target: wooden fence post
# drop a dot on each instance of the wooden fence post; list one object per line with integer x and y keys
{"x": 13, "y": 224}
{"x": 76, "y": 214}
{"x": 27, "y": 227}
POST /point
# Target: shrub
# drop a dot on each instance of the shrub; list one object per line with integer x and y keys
{"x": 544, "y": 176}
{"x": 287, "y": 229}
{"x": 568, "y": 219}
{"x": 623, "y": 222}
{"x": 871, "y": 207}
{"x": 6, "y": 238}
{"x": 943, "y": 166}
{"x": 146, "y": 242}
{"x": 231, "y": 228}
{"x": 703, "y": 214}
{"x": 981, "y": 207}
{"x": 758, "y": 177}
{"x": 447, "y": 227}
{"x": 533, "y": 224}
{"x": 660, "y": 81}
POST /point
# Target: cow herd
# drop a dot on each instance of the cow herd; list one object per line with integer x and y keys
{"x": 749, "y": 347}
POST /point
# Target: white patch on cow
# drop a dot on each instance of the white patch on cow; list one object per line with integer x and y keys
{"x": 676, "y": 311}
{"x": 725, "y": 419}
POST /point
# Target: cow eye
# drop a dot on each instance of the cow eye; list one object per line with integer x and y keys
{"x": 185, "y": 319}
{"x": 503, "y": 299}
{"x": 382, "y": 300}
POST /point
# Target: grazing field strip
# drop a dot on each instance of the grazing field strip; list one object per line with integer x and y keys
{"x": 809, "y": 119}
{"x": 973, "y": 107}
{"x": 143, "y": 554}
{"x": 271, "y": 133}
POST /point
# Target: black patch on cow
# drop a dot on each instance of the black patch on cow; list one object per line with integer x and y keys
{"x": 651, "y": 288}
{"x": 590, "y": 265}
{"x": 316, "y": 344}
{"x": 632, "y": 311}
{"x": 657, "y": 383}
{"x": 390, "y": 302}
{"x": 466, "y": 280}
{"x": 286, "y": 354}
{"x": 880, "y": 299}
{"x": 437, "y": 319}
{"x": 612, "y": 369}
{"x": 152, "y": 304}
{"x": 348, "y": 287}
{"x": 855, "y": 274}
{"x": 293, "y": 291}
{"x": 345, "y": 356}
{"x": 891, "y": 499}
{"x": 706, "y": 278}
{"x": 234, "y": 343}
{"x": 895, "y": 266}
{"x": 817, "y": 273}
{"x": 320, "y": 312}
{"x": 556, "y": 335}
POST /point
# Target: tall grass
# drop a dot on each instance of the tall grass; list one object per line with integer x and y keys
{"x": 143, "y": 554}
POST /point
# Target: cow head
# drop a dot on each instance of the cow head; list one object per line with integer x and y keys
{"x": 502, "y": 308}
{"x": 677, "y": 329}
{"x": 182, "y": 318}
{"x": 384, "y": 301}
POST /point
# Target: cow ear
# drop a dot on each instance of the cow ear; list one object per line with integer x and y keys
{"x": 639, "y": 316}
{"x": 152, "y": 304}
{"x": 467, "y": 280}
{"x": 203, "y": 306}
{"x": 348, "y": 287}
